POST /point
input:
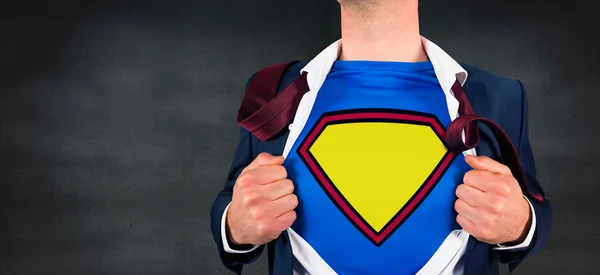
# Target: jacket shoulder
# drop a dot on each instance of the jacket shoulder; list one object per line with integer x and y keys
{"x": 503, "y": 94}
{"x": 492, "y": 81}
{"x": 500, "y": 98}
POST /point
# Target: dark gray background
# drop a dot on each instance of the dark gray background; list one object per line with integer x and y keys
{"x": 118, "y": 120}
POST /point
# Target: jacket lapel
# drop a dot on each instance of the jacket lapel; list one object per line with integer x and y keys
{"x": 477, "y": 255}
{"x": 478, "y": 96}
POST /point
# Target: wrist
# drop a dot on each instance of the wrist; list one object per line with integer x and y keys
{"x": 524, "y": 229}
{"x": 234, "y": 242}
{"x": 230, "y": 230}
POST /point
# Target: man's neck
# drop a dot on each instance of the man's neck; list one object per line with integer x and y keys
{"x": 389, "y": 32}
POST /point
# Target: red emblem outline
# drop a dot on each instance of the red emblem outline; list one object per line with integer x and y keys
{"x": 374, "y": 115}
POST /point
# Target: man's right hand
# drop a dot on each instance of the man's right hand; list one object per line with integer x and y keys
{"x": 263, "y": 204}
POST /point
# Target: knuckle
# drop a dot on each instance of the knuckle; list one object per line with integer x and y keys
{"x": 249, "y": 198}
{"x": 261, "y": 229}
{"x": 508, "y": 189}
{"x": 506, "y": 170}
{"x": 497, "y": 206}
{"x": 263, "y": 157}
{"x": 504, "y": 189}
{"x": 244, "y": 180}
{"x": 254, "y": 213}
{"x": 246, "y": 200}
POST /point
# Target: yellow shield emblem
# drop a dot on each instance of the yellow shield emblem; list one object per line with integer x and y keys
{"x": 376, "y": 166}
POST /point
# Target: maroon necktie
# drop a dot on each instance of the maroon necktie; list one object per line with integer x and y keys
{"x": 263, "y": 113}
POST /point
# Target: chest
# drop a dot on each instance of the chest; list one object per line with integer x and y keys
{"x": 373, "y": 171}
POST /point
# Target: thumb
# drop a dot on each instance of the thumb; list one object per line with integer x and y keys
{"x": 485, "y": 163}
{"x": 264, "y": 159}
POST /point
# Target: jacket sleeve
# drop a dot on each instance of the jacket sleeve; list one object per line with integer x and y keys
{"x": 242, "y": 157}
{"x": 543, "y": 210}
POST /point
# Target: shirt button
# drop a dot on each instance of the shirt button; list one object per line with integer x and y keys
{"x": 290, "y": 126}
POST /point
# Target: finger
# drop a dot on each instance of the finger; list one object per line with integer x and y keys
{"x": 471, "y": 195}
{"x": 277, "y": 189}
{"x": 285, "y": 220}
{"x": 284, "y": 204}
{"x": 467, "y": 225}
{"x": 466, "y": 211}
{"x": 264, "y": 159}
{"x": 487, "y": 164}
{"x": 482, "y": 180}
{"x": 268, "y": 174}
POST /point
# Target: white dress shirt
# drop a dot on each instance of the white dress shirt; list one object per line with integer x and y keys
{"x": 446, "y": 259}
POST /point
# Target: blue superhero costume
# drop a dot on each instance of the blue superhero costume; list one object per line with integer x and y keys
{"x": 270, "y": 103}
{"x": 364, "y": 109}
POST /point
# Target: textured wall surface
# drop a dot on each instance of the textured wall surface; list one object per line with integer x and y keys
{"x": 118, "y": 120}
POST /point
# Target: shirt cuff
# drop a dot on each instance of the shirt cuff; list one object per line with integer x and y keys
{"x": 529, "y": 237}
{"x": 226, "y": 245}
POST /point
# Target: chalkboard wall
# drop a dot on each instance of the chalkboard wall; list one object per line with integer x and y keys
{"x": 118, "y": 120}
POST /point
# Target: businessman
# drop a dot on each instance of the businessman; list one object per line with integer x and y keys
{"x": 368, "y": 160}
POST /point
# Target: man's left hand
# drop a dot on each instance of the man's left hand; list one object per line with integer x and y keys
{"x": 490, "y": 203}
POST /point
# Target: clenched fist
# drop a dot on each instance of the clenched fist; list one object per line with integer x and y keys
{"x": 490, "y": 203}
{"x": 263, "y": 204}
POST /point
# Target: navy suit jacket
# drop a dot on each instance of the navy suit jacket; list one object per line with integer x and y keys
{"x": 500, "y": 99}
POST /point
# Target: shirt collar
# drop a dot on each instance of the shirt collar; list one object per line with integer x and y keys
{"x": 446, "y": 69}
